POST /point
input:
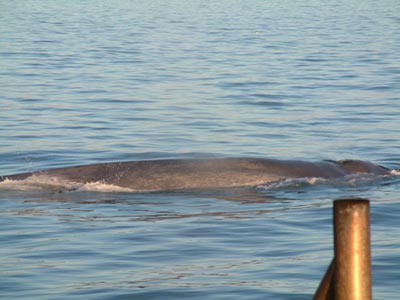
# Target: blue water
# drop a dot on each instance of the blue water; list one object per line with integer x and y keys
{"x": 86, "y": 82}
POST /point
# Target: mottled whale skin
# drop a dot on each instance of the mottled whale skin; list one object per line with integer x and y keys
{"x": 177, "y": 174}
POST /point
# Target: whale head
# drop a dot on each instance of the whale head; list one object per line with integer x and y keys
{"x": 359, "y": 166}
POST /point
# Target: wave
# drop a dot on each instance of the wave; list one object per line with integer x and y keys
{"x": 352, "y": 180}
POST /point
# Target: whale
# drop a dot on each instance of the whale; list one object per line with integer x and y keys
{"x": 207, "y": 173}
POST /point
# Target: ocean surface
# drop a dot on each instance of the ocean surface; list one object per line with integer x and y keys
{"x": 84, "y": 82}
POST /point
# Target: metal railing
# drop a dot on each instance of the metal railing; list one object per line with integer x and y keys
{"x": 349, "y": 274}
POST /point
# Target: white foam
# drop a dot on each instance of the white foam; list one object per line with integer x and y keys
{"x": 395, "y": 172}
{"x": 49, "y": 183}
{"x": 104, "y": 187}
{"x": 293, "y": 182}
{"x": 39, "y": 183}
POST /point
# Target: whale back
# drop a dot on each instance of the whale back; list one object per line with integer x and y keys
{"x": 172, "y": 174}
{"x": 359, "y": 166}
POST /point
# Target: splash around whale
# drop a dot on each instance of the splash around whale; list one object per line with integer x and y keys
{"x": 181, "y": 174}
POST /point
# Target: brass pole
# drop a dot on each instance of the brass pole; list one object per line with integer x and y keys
{"x": 352, "y": 250}
{"x": 325, "y": 290}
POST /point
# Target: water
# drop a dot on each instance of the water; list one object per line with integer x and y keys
{"x": 86, "y": 82}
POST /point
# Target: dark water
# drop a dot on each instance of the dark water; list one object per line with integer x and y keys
{"x": 86, "y": 82}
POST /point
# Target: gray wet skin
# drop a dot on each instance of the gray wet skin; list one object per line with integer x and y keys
{"x": 175, "y": 174}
